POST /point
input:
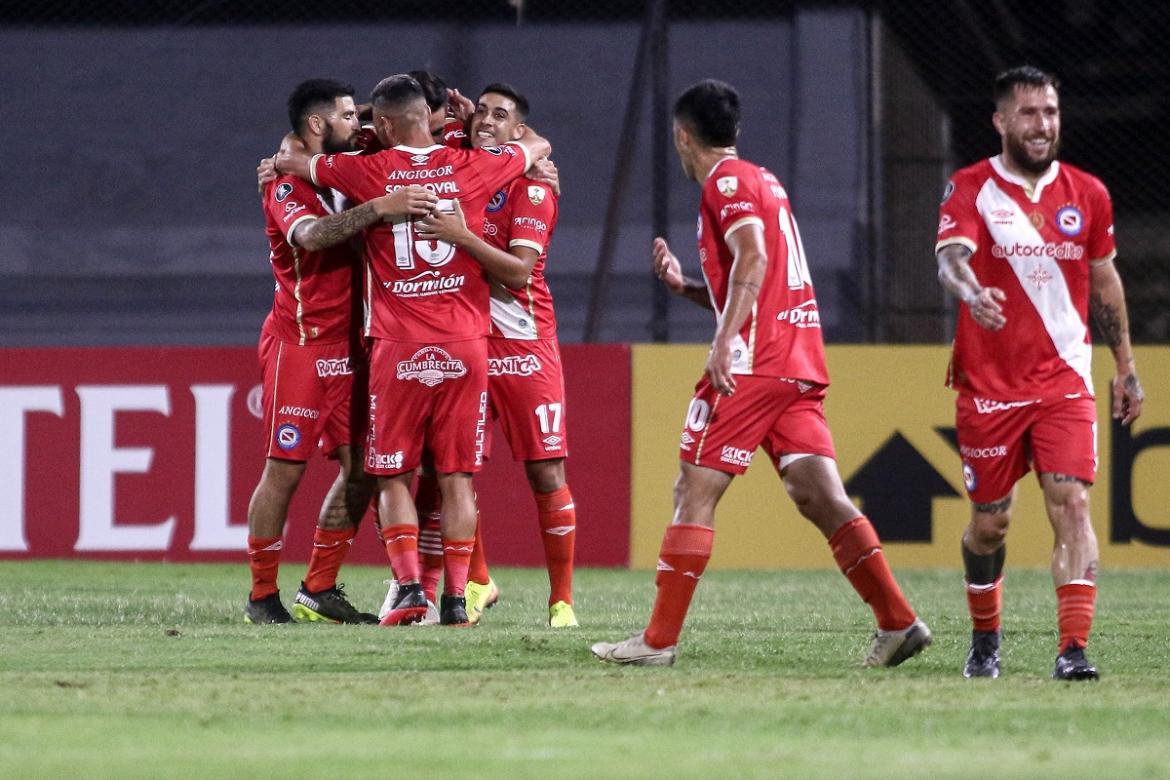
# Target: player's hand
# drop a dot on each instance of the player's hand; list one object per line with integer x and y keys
{"x": 291, "y": 145}
{"x": 1127, "y": 397}
{"x": 266, "y": 172}
{"x": 985, "y": 308}
{"x": 666, "y": 266}
{"x": 448, "y": 226}
{"x": 543, "y": 170}
{"x": 719, "y": 366}
{"x": 412, "y": 201}
{"x": 458, "y": 106}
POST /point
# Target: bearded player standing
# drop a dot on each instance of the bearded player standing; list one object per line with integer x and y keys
{"x": 1025, "y": 242}
{"x": 764, "y": 384}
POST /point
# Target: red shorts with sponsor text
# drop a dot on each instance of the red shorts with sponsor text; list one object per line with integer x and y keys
{"x": 999, "y": 441}
{"x": 427, "y": 395}
{"x": 526, "y": 392}
{"x": 307, "y": 399}
{"x": 785, "y": 416}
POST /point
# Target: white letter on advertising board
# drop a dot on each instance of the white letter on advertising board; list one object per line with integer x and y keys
{"x": 15, "y": 402}
{"x": 101, "y": 461}
{"x": 212, "y": 471}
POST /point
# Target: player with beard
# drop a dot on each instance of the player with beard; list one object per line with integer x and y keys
{"x": 764, "y": 384}
{"x": 526, "y": 387}
{"x": 429, "y": 321}
{"x": 308, "y": 363}
{"x": 1025, "y": 242}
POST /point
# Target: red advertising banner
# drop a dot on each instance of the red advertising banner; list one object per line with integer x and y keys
{"x": 153, "y": 453}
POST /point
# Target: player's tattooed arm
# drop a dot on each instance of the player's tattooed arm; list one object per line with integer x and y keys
{"x": 667, "y": 268}
{"x": 323, "y": 232}
{"x": 511, "y": 268}
{"x": 955, "y": 274}
{"x": 1107, "y": 304}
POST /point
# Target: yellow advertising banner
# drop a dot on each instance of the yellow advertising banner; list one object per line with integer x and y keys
{"x": 893, "y": 425}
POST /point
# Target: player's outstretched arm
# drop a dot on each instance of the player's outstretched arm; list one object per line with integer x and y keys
{"x": 748, "y": 266}
{"x": 293, "y": 158}
{"x": 1107, "y": 304}
{"x": 329, "y": 231}
{"x": 536, "y": 145}
{"x": 955, "y": 274}
{"x": 668, "y": 269}
{"x": 509, "y": 268}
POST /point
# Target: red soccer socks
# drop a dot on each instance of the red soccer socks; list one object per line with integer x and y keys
{"x": 1074, "y": 608}
{"x": 428, "y": 502}
{"x": 684, "y": 554}
{"x": 456, "y": 561}
{"x": 402, "y": 550}
{"x": 478, "y": 568}
{"x": 558, "y": 534}
{"x": 329, "y": 551}
{"x": 858, "y": 553}
{"x": 985, "y": 601}
{"x": 264, "y": 560}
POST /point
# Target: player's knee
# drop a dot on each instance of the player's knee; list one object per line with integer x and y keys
{"x": 282, "y": 477}
{"x": 545, "y": 476}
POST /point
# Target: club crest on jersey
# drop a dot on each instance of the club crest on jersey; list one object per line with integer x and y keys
{"x": 1070, "y": 221}
{"x": 283, "y": 191}
{"x": 969, "y": 478}
{"x": 727, "y": 185}
{"x": 431, "y": 366}
{"x": 288, "y": 436}
{"x": 497, "y": 202}
{"x": 1037, "y": 219}
{"x": 536, "y": 194}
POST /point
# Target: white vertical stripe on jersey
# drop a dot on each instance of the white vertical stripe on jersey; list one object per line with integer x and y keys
{"x": 1052, "y": 300}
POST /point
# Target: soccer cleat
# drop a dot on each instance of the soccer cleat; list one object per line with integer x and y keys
{"x": 480, "y": 597}
{"x": 453, "y": 611}
{"x": 266, "y": 610}
{"x": 327, "y": 606}
{"x": 635, "y": 651}
{"x": 391, "y": 597}
{"x": 410, "y": 606}
{"x": 560, "y": 615}
{"x": 432, "y": 616}
{"x": 983, "y": 659}
{"x": 1072, "y": 665}
{"x": 891, "y": 648}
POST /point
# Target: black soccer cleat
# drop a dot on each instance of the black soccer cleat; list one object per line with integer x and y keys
{"x": 327, "y": 606}
{"x": 983, "y": 658}
{"x": 267, "y": 610}
{"x": 410, "y": 606}
{"x": 1072, "y": 665}
{"x": 453, "y": 611}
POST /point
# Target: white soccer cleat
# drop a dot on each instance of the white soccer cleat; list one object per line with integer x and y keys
{"x": 635, "y": 651}
{"x": 891, "y": 648}
{"x": 391, "y": 597}
{"x": 432, "y": 616}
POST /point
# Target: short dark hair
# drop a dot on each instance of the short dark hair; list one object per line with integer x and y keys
{"x": 433, "y": 87}
{"x": 395, "y": 92}
{"x": 508, "y": 91}
{"x": 710, "y": 109}
{"x": 1022, "y": 75}
{"x": 310, "y": 96}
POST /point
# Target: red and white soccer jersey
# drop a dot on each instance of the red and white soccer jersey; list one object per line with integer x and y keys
{"x": 522, "y": 214}
{"x": 423, "y": 290}
{"x": 454, "y": 134}
{"x": 313, "y": 289}
{"x": 782, "y": 336}
{"x": 1036, "y": 244}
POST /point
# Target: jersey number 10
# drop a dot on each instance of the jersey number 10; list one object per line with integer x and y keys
{"x": 407, "y": 246}
{"x": 798, "y": 275}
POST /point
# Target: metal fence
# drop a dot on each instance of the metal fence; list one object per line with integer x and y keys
{"x": 134, "y": 218}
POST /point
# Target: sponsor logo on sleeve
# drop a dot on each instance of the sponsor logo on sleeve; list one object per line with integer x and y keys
{"x": 288, "y": 436}
{"x": 292, "y": 208}
{"x": 431, "y": 366}
{"x": 530, "y": 222}
{"x": 497, "y": 202}
{"x": 727, "y": 185}
{"x": 1070, "y": 221}
{"x": 497, "y": 151}
{"x": 738, "y": 207}
{"x": 536, "y": 194}
{"x": 283, "y": 190}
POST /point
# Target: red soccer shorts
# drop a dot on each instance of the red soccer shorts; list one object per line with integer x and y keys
{"x": 427, "y": 396}
{"x": 785, "y": 416}
{"x": 526, "y": 390}
{"x": 307, "y": 394}
{"x": 1000, "y": 440}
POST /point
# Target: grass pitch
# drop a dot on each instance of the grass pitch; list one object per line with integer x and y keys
{"x": 148, "y": 670}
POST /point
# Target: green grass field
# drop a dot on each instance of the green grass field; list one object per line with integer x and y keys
{"x": 148, "y": 670}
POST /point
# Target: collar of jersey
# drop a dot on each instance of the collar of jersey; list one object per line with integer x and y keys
{"x": 418, "y": 150}
{"x": 719, "y": 162}
{"x": 1044, "y": 181}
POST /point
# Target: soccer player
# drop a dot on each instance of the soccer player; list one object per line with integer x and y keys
{"x": 429, "y": 321}
{"x": 526, "y": 386}
{"x": 1025, "y": 242}
{"x": 307, "y": 365}
{"x": 764, "y": 384}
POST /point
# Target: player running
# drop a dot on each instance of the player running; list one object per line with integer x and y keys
{"x": 764, "y": 384}
{"x": 310, "y": 353}
{"x": 526, "y": 386}
{"x": 1025, "y": 242}
{"x": 428, "y": 304}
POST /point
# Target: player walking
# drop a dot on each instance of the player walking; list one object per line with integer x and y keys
{"x": 308, "y": 365}
{"x": 1026, "y": 243}
{"x": 429, "y": 320}
{"x": 764, "y": 384}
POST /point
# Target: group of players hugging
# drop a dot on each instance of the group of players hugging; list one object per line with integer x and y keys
{"x": 430, "y": 227}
